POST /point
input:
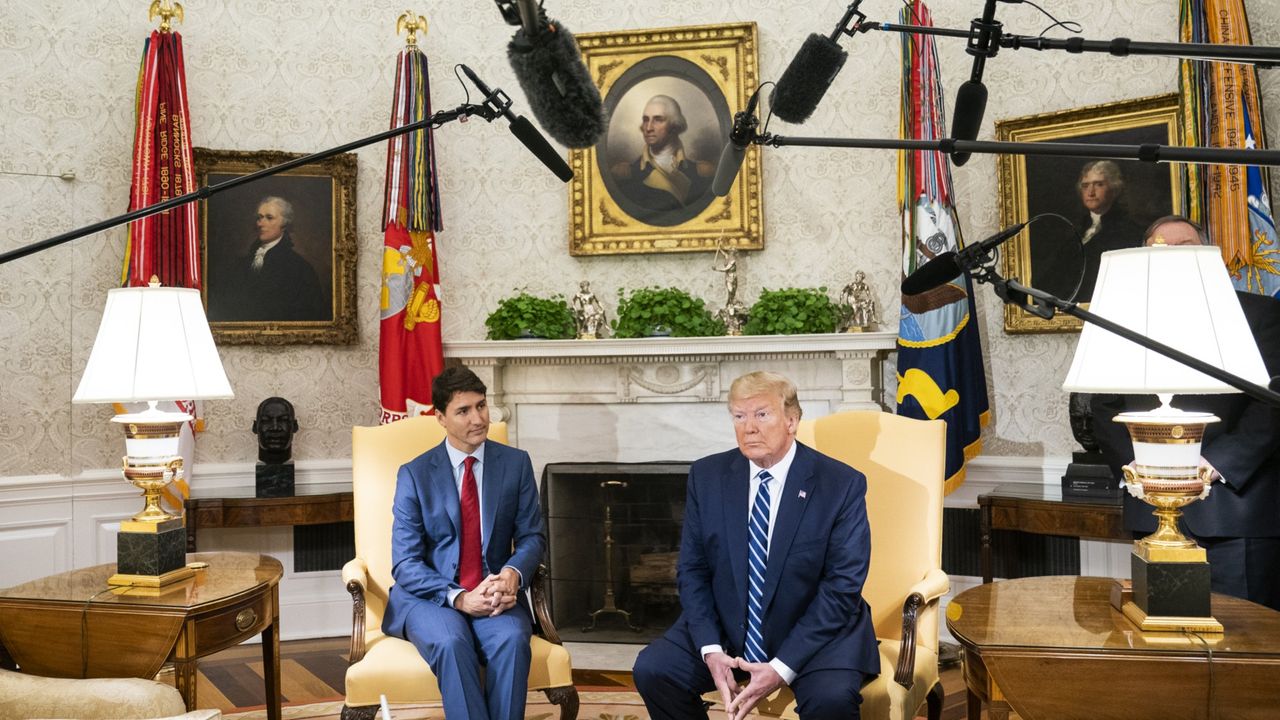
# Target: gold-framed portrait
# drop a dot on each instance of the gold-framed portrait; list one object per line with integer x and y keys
{"x": 1104, "y": 204}
{"x": 278, "y": 255}
{"x": 669, "y": 99}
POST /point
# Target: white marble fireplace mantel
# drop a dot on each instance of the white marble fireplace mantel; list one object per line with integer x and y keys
{"x": 659, "y": 398}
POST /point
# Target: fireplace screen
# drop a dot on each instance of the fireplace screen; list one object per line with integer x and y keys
{"x": 613, "y": 537}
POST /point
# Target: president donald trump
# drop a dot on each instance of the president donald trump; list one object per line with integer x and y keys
{"x": 772, "y": 560}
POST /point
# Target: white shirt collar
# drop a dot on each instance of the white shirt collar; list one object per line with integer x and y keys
{"x": 456, "y": 456}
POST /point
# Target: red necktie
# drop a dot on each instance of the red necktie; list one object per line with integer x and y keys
{"x": 470, "y": 568}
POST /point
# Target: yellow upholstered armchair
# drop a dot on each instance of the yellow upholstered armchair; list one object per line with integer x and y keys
{"x": 382, "y": 665}
{"x": 904, "y": 461}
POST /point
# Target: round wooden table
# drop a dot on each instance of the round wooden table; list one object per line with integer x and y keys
{"x": 74, "y": 625}
{"x": 1054, "y": 647}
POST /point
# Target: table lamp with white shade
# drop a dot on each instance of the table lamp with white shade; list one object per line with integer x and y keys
{"x": 154, "y": 344}
{"x": 1180, "y": 296}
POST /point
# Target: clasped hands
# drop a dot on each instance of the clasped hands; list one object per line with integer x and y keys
{"x": 738, "y": 701}
{"x": 494, "y": 595}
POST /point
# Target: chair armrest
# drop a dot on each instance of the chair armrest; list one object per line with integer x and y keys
{"x": 927, "y": 591}
{"x": 355, "y": 574}
{"x": 541, "y": 613}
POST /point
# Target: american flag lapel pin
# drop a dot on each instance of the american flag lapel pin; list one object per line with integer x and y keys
{"x": 803, "y": 495}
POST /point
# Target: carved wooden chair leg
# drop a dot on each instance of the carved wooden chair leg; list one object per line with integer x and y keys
{"x": 361, "y": 712}
{"x": 934, "y": 701}
{"x": 566, "y": 698}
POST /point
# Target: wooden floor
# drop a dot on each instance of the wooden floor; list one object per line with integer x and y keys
{"x": 313, "y": 671}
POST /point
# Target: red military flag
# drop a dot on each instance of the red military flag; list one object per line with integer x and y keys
{"x": 164, "y": 245}
{"x": 411, "y": 353}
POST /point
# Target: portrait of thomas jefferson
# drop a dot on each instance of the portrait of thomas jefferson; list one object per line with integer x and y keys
{"x": 665, "y": 133}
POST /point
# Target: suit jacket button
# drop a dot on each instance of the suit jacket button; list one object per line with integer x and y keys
{"x": 742, "y": 626}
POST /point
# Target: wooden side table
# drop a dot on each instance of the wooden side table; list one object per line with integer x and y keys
{"x": 1054, "y": 647}
{"x": 306, "y": 508}
{"x": 74, "y": 625}
{"x": 1041, "y": 509}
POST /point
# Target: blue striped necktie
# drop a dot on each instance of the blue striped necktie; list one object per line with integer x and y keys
{"x": 758, "y": 558}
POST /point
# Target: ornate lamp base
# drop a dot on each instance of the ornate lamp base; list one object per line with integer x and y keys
{"x": 1170, "y": 571}
{"x": 151, "y": 554}
{"x": 151, "y": 549}
{"x": 1170, "y": 596}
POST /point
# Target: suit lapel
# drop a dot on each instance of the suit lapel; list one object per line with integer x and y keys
{"x": 491, "y": 492}
{"x": 736, "y": 485}
{"x": 790, "y": 511}
{"x": 446, "y": 487}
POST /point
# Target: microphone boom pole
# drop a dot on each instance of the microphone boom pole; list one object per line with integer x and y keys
{"x": 437, "y": 119}
{"x": 1043, "y": 304}
{"x": 1260, "y": 56}
{"x": 1144, "y": 153}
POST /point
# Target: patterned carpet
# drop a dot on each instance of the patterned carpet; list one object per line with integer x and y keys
{"x": 313, "y": 673}
{"x": 595, "y": 705}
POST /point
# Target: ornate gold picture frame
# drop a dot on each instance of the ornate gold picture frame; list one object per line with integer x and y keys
{"x": 301, "y": 287}
{"x": 647, "y": 190}
{"x": 1107, "y": 206}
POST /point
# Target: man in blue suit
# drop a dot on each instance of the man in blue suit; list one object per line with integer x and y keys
{"x": 772, "y": 561}
{"x": 466, "y": 538}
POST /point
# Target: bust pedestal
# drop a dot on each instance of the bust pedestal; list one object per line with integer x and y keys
{"x": 274, "y": 480}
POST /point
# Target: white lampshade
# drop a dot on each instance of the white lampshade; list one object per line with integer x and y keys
{"x": 1177, "y": 295}
{"x": 154, "y": 343}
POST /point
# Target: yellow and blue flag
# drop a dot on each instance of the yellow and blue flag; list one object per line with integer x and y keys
{"x": 940, "y": 368}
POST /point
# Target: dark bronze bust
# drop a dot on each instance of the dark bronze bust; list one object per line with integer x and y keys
{"x": 275, "y": 425}
{"x": 1081, "y": 417}
{"x": 1088, "y": 475}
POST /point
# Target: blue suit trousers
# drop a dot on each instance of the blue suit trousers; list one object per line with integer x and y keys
{"x": 457, "y": 645}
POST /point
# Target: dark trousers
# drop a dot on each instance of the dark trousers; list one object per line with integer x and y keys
{"x": 672, "y": 679}
{"x": 1247, "y": 568}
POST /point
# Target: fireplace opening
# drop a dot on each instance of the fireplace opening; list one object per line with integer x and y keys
{"x": 613, "y": 537}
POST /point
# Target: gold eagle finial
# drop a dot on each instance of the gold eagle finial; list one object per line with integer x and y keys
{"x": 413, "y": 24}
{"x": 166, "y": 11}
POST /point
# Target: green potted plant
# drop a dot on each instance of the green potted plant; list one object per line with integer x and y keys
{"x": 793, "y": 311}
{"x": 663, "y": 311}
{"x": 529, "y": 316}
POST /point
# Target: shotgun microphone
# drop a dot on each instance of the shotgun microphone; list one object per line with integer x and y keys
{"x": 524, "y": 130}
{"x": 949, "y": 264}
{"x": 744, "y": 131}
{"x": 971, "y": 98}
{"x": 811, "y": 72}
{"x": 549, "y": 68}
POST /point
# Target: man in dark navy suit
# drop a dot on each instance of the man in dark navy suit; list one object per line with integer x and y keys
{"x": 772, "y": 561}
{"x": 1238, "y": 525}
{"x": 466, "y": 537}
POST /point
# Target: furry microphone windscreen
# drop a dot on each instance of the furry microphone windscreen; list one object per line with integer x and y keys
{"x": 559, "y": 89}
{"x": 807, "y": 78}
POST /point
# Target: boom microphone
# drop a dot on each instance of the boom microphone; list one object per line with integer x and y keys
{"x": 744, "y": 131}
{"x": 971, "y": 98}
{"x": 946, "y": 266}
{"x": 524, "y": 130}
{"x": 812, "y": 70}
{"x": 549, "y": 68}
